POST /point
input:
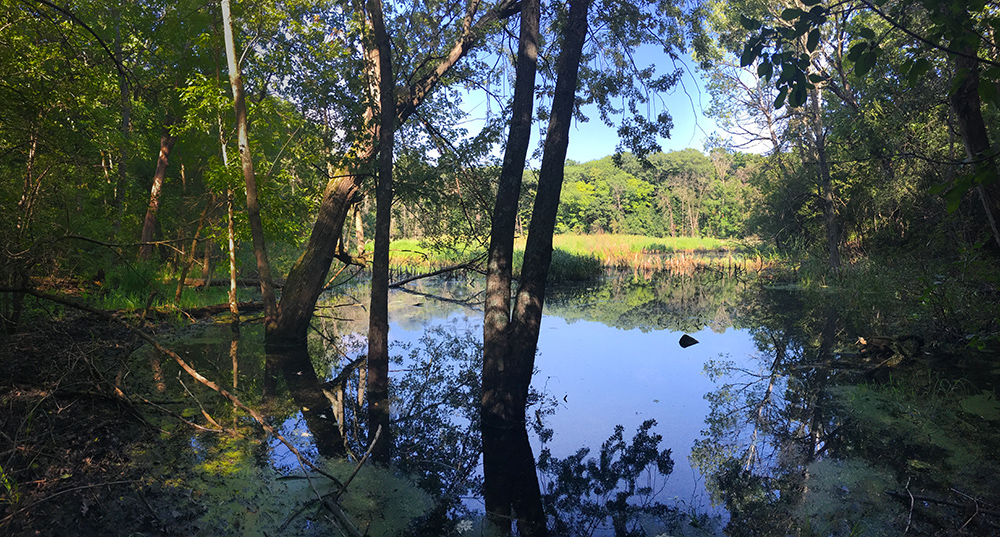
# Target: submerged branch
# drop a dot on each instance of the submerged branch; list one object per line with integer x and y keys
{"x": 189, "y": 370}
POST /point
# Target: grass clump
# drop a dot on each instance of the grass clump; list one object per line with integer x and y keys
{"x": 566, "y": 266}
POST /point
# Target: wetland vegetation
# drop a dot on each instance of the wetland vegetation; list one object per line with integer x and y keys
{"x": 259, "y": 277}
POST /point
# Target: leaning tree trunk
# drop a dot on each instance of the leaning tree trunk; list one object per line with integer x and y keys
{"x": 307, "y": 277}
{"x": 382, "y": 85}
{"x": 155, "y": 192}
{"x": 253, "y": 205}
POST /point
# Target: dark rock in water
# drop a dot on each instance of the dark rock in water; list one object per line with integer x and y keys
{"x": 687, "y": 341}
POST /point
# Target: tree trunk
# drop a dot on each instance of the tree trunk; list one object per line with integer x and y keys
{"x": 194, "y": 246}
{"x": 501, "y": 412}
{"x": 966, "y": 104}
{"x": 826, "y": 183}
{"x": 381, "y": 86}
{"x": 162, "y": 161}
{"x": 501, "y": 251}
{"x": 253, "y": 206}
{"x": 307, "y": 277}
{"x": 511, "y": 482}
{"x": 126, "y": 111}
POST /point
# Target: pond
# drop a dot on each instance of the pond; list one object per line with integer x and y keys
{"x": 795, "y": 413}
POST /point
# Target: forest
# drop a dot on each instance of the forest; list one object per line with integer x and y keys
{"x": 164, "y": 163}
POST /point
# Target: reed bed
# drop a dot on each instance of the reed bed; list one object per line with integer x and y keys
{"x": 580, "y": 257}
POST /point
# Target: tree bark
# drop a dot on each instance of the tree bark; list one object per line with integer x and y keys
{"x": 825, "y": 181}
{"x": 381, "y": 86}
{"x": 966, "y": 104}
{"x": 126, "y": 111}
{"x": 253, "y": 205}
{"x": 499, "y": 263}
{"x": 504, "y": 467}
{"x": 511, "y": 482}
{"x": 155, "y": 192}
{"x": 307, "y": 276}
{"x": 194, "y": 246}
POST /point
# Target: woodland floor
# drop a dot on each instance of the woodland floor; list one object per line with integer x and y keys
{"x": 65, "y": 435}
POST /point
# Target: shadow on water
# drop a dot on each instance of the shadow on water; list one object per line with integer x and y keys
{"x": 779, "y": 417}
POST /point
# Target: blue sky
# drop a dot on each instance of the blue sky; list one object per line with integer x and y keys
{"x": 593, "y": 139}
{"x": 685, "y": 103}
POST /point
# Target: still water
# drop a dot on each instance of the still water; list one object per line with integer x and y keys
{"x": 796, "y": 413}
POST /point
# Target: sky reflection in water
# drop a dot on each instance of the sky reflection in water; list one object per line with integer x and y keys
{"x": 604, "y": 376}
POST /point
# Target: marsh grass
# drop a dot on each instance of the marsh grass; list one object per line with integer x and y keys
{"x": 580, "y": 257}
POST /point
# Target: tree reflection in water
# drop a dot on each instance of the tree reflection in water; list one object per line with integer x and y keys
{"x": 818, "y": 440}
{"x": 435, "y": 394}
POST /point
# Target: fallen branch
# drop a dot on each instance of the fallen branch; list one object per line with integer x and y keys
{"x": 189, "y": 370}
{"x": 931, "y": 499}
{"x": 467, "y": 265}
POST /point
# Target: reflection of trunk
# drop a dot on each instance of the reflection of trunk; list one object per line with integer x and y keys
{"x": 512, "y": 480}
{"x": 507, "y": 373}
{"x": 162, "y": 161}
{"x": 382, "y": 85}
{"x": 968, "y": 110}
{"x": 307, "y": 392}
{"x": 253, "y": 206}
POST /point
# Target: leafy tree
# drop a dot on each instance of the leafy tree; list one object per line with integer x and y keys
{"x": 929, "y": 30}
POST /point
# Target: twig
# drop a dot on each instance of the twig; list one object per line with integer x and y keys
{"x": 179, "y": 417}
{"x": 909, "y": 516}
{"x": 451, "y": 268}
{"x": 371, "y": 446}
{"x": 190, "y": 371}
{"x": 974, "y": 502}
{"x": 202, "y": 407}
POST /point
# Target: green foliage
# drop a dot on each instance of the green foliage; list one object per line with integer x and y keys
{"x": 11, "y": 493}
{"x": 678, "y": 193}
{"x": 129, "y": 285}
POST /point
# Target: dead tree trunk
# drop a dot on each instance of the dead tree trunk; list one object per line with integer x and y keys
{"x": 253, "y": 205}
{"x": 155, "y": 192}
